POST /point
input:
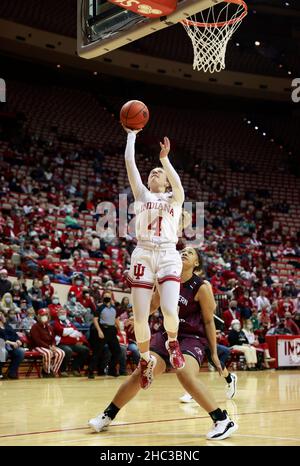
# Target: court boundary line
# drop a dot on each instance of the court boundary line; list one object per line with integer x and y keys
{"x": 140, "y": 422}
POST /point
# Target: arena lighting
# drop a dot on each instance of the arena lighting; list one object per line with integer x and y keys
{"x": 58, "y": 66}
{"x": 249, "y": 122}
{"x": 289, "y": 72}
{"x": 280, "y": 65}
{"x": 287, "y": 4}
{"x": 272, "y": 140}
{"x": 256, "y": 127}
{"x": 95, "y": 73}
{"x": 257, "y": 43}
{"x": 237, "y": 44}
{"x": 264, "y": 134}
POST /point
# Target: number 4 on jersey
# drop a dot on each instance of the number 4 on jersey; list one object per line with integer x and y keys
{"x": 156, "y": 225}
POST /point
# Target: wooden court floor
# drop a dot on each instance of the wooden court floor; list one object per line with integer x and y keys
{"x": 55, "y": 411}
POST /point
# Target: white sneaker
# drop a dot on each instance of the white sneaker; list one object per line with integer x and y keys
{"x": 230, "y": 392}
{"x": 99, "y": 423}
{"x": 222, "y": 429}
{"x": 186, "y": 398}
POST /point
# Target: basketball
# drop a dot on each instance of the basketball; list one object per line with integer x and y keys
{"x": 134, "y": 114}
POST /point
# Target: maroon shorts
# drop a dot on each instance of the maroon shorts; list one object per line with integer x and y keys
{"x": 189, "y": 344}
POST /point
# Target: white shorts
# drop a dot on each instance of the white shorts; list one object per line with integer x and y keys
{"x": 154, "y": 264}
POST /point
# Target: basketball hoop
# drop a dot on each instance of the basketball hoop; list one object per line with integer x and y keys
{"x": 210, "y": 36}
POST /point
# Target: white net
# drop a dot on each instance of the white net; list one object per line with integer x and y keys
{"x": 210, "y": 32}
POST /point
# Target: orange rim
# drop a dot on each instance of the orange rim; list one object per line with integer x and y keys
{"x": 189, "y": 22}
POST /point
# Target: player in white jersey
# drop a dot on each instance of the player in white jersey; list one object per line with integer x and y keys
{"x": 155, "y": 260}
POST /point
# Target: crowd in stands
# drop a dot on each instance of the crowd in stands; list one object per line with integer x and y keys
{"x": 48, "y": 232}
{"x": 64, "y": 334}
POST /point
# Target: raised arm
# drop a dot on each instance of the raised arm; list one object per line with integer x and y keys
{"x": 134, "y": 176}
{"x": 177, "y": 188}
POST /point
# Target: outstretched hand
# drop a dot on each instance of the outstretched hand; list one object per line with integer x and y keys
{"x": 128, "y": 130}
{"x": 164, "y": 148}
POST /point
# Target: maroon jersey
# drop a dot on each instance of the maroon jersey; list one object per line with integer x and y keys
{"x": 191, "y": 334}
{"x": 190, "y": 315}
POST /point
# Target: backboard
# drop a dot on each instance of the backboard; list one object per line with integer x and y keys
{"x": 103, "y": 26}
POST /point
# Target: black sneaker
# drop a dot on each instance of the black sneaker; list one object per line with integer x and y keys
{"x": 222, "y": 429}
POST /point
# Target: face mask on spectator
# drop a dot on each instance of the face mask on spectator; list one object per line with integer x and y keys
{"x": 3, "y": 277}
{"x": 7, "y": 300}
{"x": 16, "y": 288}
{"x": 106, "y": 300}
{"x": 236, "y": 327}
{"x": 55, "y": 301}
{"x": 46, "y": 282}
{"x": 78, "y": 282}
{"x": 44, "y": 319}
{"x": 233, "y": 308}
{"x": 62, "y": 317}
{"x": 73, "y": 300}
{"x": 96, "y": 285}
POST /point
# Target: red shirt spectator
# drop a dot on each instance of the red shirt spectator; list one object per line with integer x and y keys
{"x": 53, "y": 309}
{"x": 230, "y": 314}
{"x": 285, "y": 305}
{"x": 217, "y": 282}
{"x": 47, "y": 290}
{"x": 73, "y": 338}
{"x": 289, "y": 323}
{"x": 77, "y": 290}
{"x": 87, "y": 301}
{"x": 42, "y": 335}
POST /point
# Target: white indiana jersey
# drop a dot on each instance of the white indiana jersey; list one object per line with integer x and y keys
{"x": 157, "y": 217}
{"x": 157, "y": 214}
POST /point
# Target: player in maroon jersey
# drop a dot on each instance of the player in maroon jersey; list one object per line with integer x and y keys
{"x": 196, "y": 332}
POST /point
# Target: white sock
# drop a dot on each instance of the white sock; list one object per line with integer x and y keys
{"x": 172, "y": 339}
{"x": 145, "y": 356}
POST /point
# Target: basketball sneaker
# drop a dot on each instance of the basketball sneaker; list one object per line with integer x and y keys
{"x": 147, "y": 368}
{"x": 99, "y": 422}
{"x": 230, "y": 392}
{"x": 186, "y": 398}
{"x": 222, "y": 429}
{"x": 176, "y": 357}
